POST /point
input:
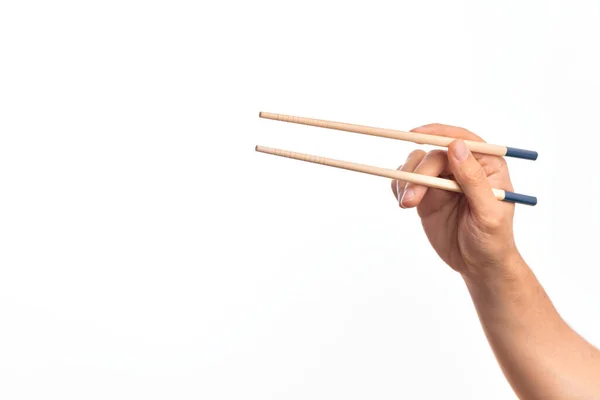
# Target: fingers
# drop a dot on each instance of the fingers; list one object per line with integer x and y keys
{"x": 411, "y": 163}
{"x": 471, "y": 177}
{"x": 448, "y": 131}
{"x": 494, "y": 167}
{"x": 433, "y": 164}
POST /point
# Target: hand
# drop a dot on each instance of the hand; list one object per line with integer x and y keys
{"x": 471, "y": 232}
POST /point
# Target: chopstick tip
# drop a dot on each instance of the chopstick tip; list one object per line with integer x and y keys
{"x": 260, "y": 114}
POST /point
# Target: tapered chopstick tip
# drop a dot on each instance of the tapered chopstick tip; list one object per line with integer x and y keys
{"x": 261, "y": 149}
{"x": 268, "y": 115}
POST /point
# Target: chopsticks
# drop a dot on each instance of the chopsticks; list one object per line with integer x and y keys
{"x": 420, "y": 138}
{"x": 430, "y": 181}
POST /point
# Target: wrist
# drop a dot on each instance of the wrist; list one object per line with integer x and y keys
{"x": 507, "y": 269}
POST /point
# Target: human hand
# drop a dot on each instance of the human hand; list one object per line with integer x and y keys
{"x": 471, "y": 232}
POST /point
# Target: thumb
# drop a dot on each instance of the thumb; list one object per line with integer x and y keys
{"x": 471, "y": 177}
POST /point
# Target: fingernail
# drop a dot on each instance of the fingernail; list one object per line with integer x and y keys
{"x": 408, "y": 195}
{"x": 461, "y": 152}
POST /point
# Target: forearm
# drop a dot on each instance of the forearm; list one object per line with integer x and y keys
{"x": 541, "y": 356}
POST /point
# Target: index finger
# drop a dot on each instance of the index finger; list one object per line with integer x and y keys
{"x": 448, "y": 131}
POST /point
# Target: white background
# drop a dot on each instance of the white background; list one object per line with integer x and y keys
{"x": 146, "y": 250}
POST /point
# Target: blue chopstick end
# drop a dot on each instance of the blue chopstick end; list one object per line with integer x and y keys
{"x": 520, "y": 153}
{"x": 520, "y": 198}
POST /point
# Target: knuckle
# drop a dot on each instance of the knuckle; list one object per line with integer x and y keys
{"x": 468, "y": 135}
{"x": 416, "y": 153}
{"x": 433, "y": 163}
{"x": 475, "y": 175}
{"x": 492, "y": 221}
{"x": 436, "y": 155}
{"x": 502, "y": 165}
{"x": 435, "y": 128}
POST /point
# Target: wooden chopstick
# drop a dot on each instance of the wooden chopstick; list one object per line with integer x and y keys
{"x": 420, "y": 138}
{"x": 429, "y": 181}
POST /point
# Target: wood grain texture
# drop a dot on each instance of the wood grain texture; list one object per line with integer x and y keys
{"x": 420, "y": 138}
{"x": 429, "y": 181}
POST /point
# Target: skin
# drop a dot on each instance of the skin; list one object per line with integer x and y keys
{"x": 540, "y": 355}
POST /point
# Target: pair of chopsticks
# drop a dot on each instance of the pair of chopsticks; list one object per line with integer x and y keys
{"x": 420, "y": 138}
